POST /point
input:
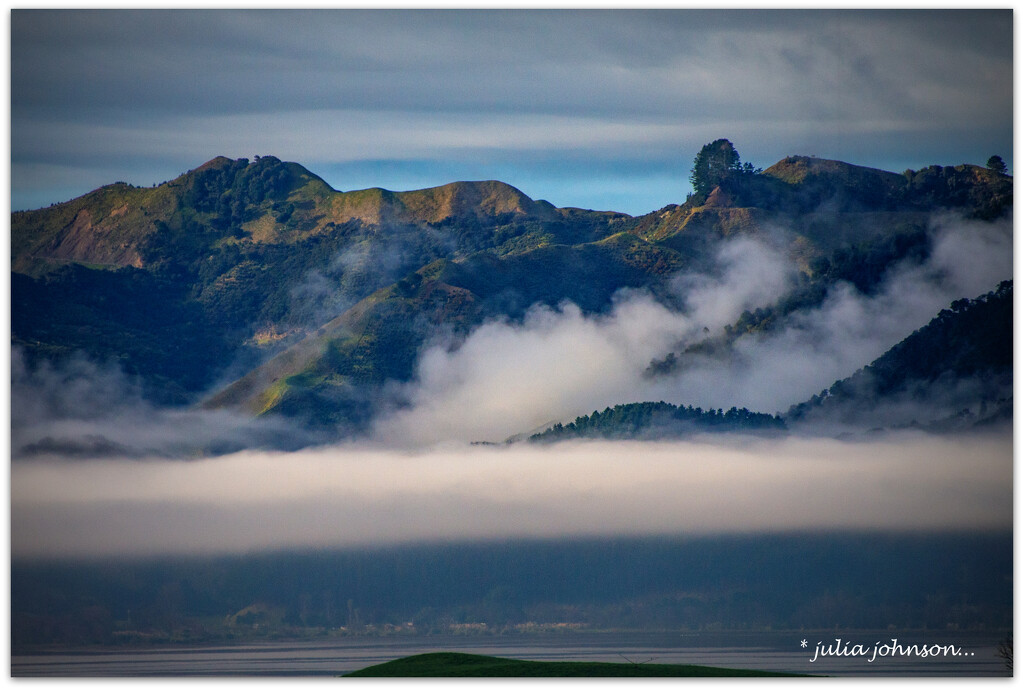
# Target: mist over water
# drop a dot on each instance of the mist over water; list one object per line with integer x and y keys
{"x": 353, "y": 495}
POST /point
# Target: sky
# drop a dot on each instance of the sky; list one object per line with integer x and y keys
{"x": 601, "y": 109}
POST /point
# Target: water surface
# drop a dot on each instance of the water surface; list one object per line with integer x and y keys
{"x": 771, "y": 651}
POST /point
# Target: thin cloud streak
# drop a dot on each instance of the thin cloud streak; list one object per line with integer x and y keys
{"x": 399, "y": 135}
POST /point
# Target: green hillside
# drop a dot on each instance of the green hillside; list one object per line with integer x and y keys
{"x": 454, "y": 664}
{"x": 828, "y": 204}
{"x": 253, "y": 285}
{"x": 236, "y": 260}
{"x": 378, "y": 338}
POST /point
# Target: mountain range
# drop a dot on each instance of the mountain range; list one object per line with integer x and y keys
{"x": 253, "y": 286}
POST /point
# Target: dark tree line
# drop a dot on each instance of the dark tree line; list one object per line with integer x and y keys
{"x": 659, "y": 419}
{"x": 974, "y": 337}
{"x": 734, "y": 583}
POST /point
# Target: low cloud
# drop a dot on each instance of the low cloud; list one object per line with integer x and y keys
{"x": 752, "y": 273}
{"x": 135, "y": 496}
{"x": 355, "y": 495}
{"x": 819, "y": 346}
{"x": 510, "y": 378}
{"x": 83, "y": 409}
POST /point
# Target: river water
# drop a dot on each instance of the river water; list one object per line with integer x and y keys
{"x": 772, "y": 651}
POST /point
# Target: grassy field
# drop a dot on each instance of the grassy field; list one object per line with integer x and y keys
{"x": 476, "y": 665}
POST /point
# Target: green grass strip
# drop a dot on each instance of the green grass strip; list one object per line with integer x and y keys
{"x": 450, "y": 664}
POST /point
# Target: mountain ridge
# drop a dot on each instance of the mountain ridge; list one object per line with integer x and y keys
{"x": 111, "y": 225}
{"x": 308, "y": 300}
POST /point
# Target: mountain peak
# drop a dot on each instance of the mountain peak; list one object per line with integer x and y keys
{"x": 215, "y": 163}
{"x": 796, "y": 169}
{"x": 480, "y": 198}
{"x": 485, "y": 199}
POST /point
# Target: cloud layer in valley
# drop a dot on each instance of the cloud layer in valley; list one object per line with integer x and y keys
{"x": 351, "y": 495}
{"x": 420, "y": 481}
{"x": 509, "y": 378}
{"x": 82, "y": 409}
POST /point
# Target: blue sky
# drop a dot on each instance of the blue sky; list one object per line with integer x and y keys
{"x": 600, "y": 109}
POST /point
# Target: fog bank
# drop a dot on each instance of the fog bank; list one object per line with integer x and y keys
{"x": 509, "y": 378}
{"x": 357, "y": 495}
{"x": 81, "y": 409}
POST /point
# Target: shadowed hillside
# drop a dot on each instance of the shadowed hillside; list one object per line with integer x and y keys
{"x": 254, "y": 286}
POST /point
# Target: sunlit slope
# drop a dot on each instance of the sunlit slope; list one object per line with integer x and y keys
{"x": 238, "y": 201}
{"x": 258, "y": 272}
{"x": 827, "y": 204}
{"x": 246, "y": 257}
{"x": 379, "y": 338}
